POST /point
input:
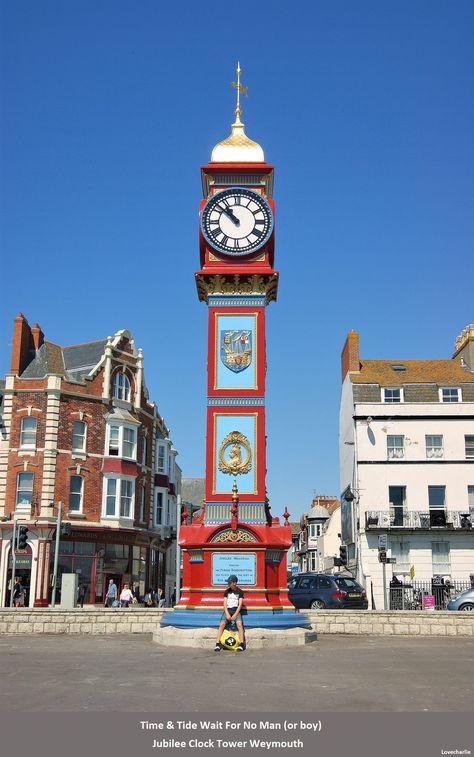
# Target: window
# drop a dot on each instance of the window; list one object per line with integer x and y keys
{"x": 122, "y": 441}
{"x": 144, "y": 450}
{"x": 450, "y": 394}
{"x": 307, "y": 583}
{"x": 392, "y": 395}
{"x": 119, "y": 497}
{"x": 397, "y": 499}
{"x": 395, "y": 447}
{"x": 160, "y": 458}
{"x": 441, "y": 557}
{"x": 158, "y": 509}
{"x": 470, "y": 497}
{"x": 28, "y": 432}
{"x": 111, "y": 496}
{"x": 114, "y": 440}
{"x": 313, "y": 560}
{"x": 401, "y": 553}
{"x": 314, "y": 530}
{"x": 128, "y": 442}
{"x": 122, "y": 387}
{"x": 75, "y": 494}
{"x": 437, "y": 501}
{"x": 437, "y": 496}
{"x": 469, "y": 443}
{"x": 142, "y": 505}
{"x": 24, "y": 490}
{"x": 126, "y": 498}
{"x": 79, "y": 436}
{"x": 434, "y": 446}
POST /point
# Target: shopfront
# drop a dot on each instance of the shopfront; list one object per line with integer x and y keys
{"x": 96, "y": 562}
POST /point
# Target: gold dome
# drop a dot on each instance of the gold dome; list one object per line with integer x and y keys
{"x": 237, "y": 148}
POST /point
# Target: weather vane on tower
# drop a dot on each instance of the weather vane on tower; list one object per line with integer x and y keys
{"x": 240, "y": 88}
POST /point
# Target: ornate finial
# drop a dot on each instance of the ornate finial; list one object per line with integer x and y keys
{"x": 234, "y": 509}
{"x": 238, "y": 147}
{"x": 286, "y": 515}
{"x": 184, "y": 515}
{"x": 240, "y": 88}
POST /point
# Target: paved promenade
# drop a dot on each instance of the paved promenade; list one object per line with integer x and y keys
{"x": 337, "y": 673}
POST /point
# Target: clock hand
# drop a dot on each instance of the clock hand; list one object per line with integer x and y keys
{"x": 230, "y": 214}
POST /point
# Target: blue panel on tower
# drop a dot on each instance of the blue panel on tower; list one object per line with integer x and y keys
{"x": 235, "y": 453}
{"x": 235, "y": 351}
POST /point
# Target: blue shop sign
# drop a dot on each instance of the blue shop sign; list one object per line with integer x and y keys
{"x": 226, "y": 563}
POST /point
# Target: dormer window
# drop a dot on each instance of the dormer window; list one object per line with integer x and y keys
{"x": 392, "y": 395}
{"x": 450, "y": 394}
{"x": 122, "y": 387}
{"x": 28, "y": 432}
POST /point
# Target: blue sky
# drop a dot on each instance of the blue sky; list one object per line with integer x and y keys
{"x": 108, "y": 109}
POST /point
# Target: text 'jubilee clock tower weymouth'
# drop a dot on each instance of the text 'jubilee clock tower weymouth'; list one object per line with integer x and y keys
{"x": 235, "y": 531}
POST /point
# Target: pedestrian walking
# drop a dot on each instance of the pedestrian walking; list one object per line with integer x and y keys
{"x": 18, "y": 594}
{"x": 233, "y": 599}
{"x": 161, "y": 598}
{"x": 126, "y": 596}
{"x": 111, "y": 595}
{"x": 81, "y": 593}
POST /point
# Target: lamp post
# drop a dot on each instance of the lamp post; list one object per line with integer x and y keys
{"x": 13, "y": 563}
{"x": 56, "y": 554}
{"x": 178, "y": 550}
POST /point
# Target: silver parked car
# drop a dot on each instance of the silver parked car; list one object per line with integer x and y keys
{"x": 465, "y": 601}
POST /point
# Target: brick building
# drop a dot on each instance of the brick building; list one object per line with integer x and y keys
{"x": 77, "y": 427}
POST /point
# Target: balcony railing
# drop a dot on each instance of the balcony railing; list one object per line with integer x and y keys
{"x": 414, "y": 519}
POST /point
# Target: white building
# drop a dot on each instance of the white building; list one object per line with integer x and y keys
{"x": 406, "y": 435}
{"x": 319, "y": 536}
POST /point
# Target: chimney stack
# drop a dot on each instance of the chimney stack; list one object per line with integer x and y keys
{"x": 350, "y": 354}
{"x": 464, "y": 347}
{"x": 25, "y": 340}
{"x": 38, "y": 336}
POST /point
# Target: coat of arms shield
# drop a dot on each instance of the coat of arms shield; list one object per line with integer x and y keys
{"x": 236, "y": 349}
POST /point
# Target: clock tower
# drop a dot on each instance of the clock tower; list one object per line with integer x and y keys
{"x": 235, "y": 532}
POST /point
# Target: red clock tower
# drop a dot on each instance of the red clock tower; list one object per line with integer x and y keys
{"x": 235, "y": 532}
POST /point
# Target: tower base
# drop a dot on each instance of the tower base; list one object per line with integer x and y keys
{"x": 255, "y": 638}
{"x": 277, "y": 619}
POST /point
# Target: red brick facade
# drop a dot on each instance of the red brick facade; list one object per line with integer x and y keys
{"x": 94, "y": 384}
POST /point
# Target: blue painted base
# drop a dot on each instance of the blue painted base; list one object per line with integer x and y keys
{"x": 192, "y": 618}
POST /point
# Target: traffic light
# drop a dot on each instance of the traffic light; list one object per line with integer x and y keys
{"x": 343, "y": 554}
{"x": 66, "y": 529}
{"x": 22, "y": 537}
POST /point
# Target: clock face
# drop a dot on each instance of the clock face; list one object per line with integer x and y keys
{"x": 237, "y": 221}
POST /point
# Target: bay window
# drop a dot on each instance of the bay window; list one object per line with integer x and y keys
{"x": 119, "y": 495}
{"x": 160, "y": 458}
{"x": 121, "y": 441}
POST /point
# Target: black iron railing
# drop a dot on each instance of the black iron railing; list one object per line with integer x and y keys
{"x": 423, "y": 595}
{"x": 415, "y": 519}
